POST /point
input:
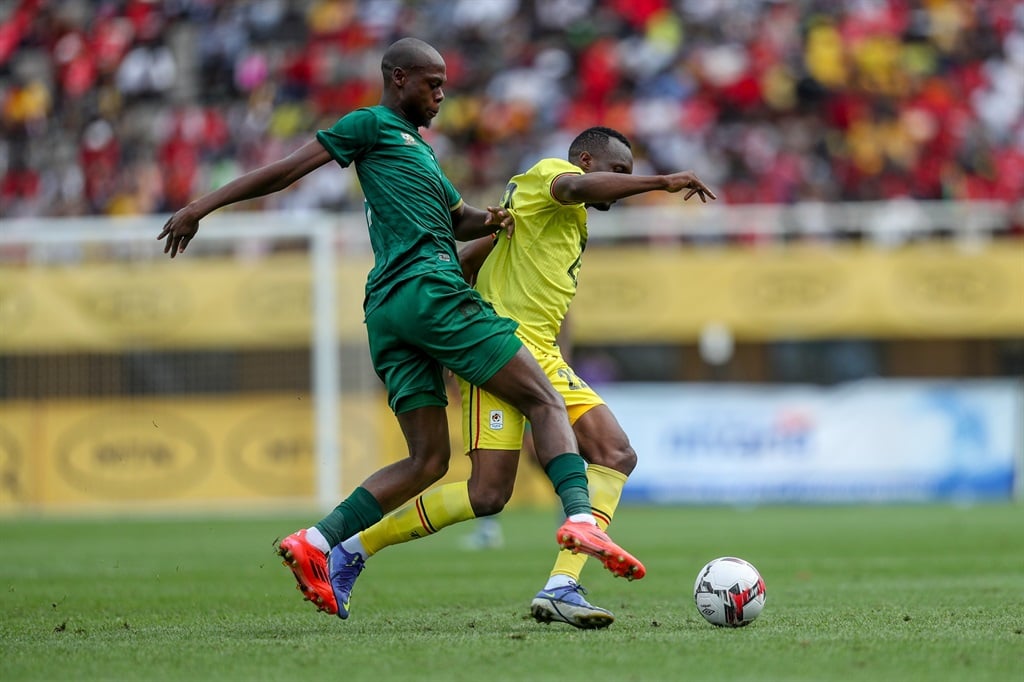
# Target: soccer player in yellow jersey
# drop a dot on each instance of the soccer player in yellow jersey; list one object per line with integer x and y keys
{"x": 531, "y": 277}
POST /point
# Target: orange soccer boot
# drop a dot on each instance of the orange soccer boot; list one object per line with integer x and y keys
{"x": 580, "y": 536}
{"x": 309, "y": 566}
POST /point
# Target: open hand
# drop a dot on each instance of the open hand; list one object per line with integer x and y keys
{"x": 179, "y": 230}
{"x": 689, "y": 180}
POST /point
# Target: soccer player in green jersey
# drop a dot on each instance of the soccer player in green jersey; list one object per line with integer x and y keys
{"x": 531, "y": 278}
{"x": 421, "y": 316}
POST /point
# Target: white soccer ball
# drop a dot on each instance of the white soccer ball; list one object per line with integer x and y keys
{"x": 729, "y": 592}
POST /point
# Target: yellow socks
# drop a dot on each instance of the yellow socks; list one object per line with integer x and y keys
{"x": 430, "y": 512}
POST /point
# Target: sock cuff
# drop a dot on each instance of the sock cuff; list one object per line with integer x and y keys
{"x": 598, "y": 470}
{"x": 568, "y": 475}
{"x": 364, "y": 498}
{"x": 357, "y": 512}
{"x": 565, "y": 465}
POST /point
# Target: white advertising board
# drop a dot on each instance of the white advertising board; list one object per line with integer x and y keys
{"x": 870, "y": 441}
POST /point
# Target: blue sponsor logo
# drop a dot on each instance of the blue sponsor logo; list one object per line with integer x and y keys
{"x": 788, "y": 435}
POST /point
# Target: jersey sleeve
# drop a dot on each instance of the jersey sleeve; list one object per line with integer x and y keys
{"x": 351, "y": 137}
{"x": 548, "y": 170}
{"x": 451, "y": 194}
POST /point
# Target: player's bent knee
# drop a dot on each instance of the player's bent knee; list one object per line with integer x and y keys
{"x": 431, "y": 470}
{"x": 488, "y": 502}
{"x": 625, "y": 460}
{"x": 621, "y": 458}
{"x": 437, "y": 470}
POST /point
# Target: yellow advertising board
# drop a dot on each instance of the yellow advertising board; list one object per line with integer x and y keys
{"x": 627, "y": 294}
{"x": 17, "y": 482}
{"x": 187, "y": 453}
{"x": 216, "y": 302}
{"x": 929, "y": 290}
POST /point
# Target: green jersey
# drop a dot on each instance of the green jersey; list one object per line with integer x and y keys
{"x": 407, "y": 198}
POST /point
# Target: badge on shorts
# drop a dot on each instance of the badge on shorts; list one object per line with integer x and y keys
{"x": 497, "y": 420}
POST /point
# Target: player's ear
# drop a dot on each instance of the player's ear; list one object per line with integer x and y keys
{"x": 586, "y": 160}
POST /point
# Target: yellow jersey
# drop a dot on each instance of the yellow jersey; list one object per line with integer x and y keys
{"x": 531, "y": 277}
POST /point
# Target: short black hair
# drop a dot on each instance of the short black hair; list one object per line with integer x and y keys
{"x": 596, "y": 139}
{"x": 408, "y": 54}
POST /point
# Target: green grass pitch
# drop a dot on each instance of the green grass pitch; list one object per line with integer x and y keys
{"x": 853, "y": 593}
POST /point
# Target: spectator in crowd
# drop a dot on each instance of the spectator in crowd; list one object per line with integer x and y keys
{"x": 775, "y": 102}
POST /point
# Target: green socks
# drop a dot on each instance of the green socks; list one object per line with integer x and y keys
{"x": 568, "y": 474}
{"x": 357, "y": 512}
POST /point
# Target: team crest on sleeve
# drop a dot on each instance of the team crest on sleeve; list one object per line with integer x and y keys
{"x": 497, "y": 420}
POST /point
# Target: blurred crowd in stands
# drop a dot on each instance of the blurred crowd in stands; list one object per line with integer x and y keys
{"x": 133, "y": 106}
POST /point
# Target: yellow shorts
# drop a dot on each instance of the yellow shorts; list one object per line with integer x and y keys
{"x": 490, "y": 423}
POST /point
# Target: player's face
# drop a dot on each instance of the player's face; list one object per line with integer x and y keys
{"x": 422, "y": 94}
{"x": 617, "y": 158}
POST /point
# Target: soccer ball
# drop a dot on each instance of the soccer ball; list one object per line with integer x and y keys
{"x": 729, "y": 592}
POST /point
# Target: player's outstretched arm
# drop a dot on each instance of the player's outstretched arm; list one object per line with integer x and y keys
{"x": 183, "y": 225}
{"x": 603, "y": 186}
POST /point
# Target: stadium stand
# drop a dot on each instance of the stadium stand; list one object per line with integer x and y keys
{"x": 133, "y": 106}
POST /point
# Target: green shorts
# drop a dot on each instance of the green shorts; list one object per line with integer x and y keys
{"x": 431, "y": 322}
